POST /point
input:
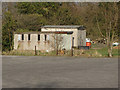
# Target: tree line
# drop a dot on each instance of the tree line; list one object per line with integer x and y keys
{"x": 100, "y": 19}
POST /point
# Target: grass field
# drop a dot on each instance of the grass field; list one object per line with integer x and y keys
{"x": 102, "y": 52}
{"x": 96, "y": 50}
{"x": 83, "y": 53}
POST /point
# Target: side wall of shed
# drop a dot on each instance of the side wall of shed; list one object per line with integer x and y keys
{"x": 42, "y": 45}
{"x": 30, "y": 44}
{"x": 81, "y": 38}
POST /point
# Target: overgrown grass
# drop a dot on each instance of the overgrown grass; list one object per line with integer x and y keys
{"x": 98, "y": 45}
{"x": 84, "y": 53}
{"x": 19, "y": 53}
{"x": 27, "y": 53}
{"x": 52, "y": 53}
{"x": 103, "y": 52}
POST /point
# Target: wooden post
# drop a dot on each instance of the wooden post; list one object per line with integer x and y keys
{"x": 35, "y": 51}
{"x": 72, "y": 46}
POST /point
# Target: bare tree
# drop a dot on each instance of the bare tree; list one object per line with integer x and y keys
{"x": 57, "y": 42}
{"x": 109, "y": 12}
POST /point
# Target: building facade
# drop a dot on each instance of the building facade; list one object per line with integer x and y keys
{"x": 79, "y": 32}
{"x": 50, "y": 38}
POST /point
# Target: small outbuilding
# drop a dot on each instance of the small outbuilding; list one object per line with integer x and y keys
{"x": 51, "y": 37}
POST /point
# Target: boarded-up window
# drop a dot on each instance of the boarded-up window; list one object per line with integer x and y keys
{"x": 38, "y": 37}
{"x": 45, "y": 37}
{"x": 72, "y": 41}
{"x": 22, "y": 36}
{"x": 28, "y": 36}
{"x": 19, "y": 37}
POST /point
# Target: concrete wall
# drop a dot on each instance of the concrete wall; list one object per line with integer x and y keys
{"x": 75, "y": 31}
{"x": 49, "y": 44}
{"x": 81, "y": 37}
{"x": 42, "y": 45}
{"x": 30, "y": 44}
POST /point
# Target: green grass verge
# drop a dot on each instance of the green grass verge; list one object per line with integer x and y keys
{"x": 84, "y": 53}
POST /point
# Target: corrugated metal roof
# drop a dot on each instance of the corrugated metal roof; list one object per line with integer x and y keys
{"x": 62, "y": 26}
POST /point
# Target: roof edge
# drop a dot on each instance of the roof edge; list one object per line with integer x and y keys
{"x": 62, "y": 26}
{"x": 39, "y": 32}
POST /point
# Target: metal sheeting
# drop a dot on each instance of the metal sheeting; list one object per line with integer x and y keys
{"x": 62, "y": 26}
{"x": 81, "y": 38}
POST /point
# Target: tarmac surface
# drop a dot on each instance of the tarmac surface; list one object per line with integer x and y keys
{"x": 59, "y": 72}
